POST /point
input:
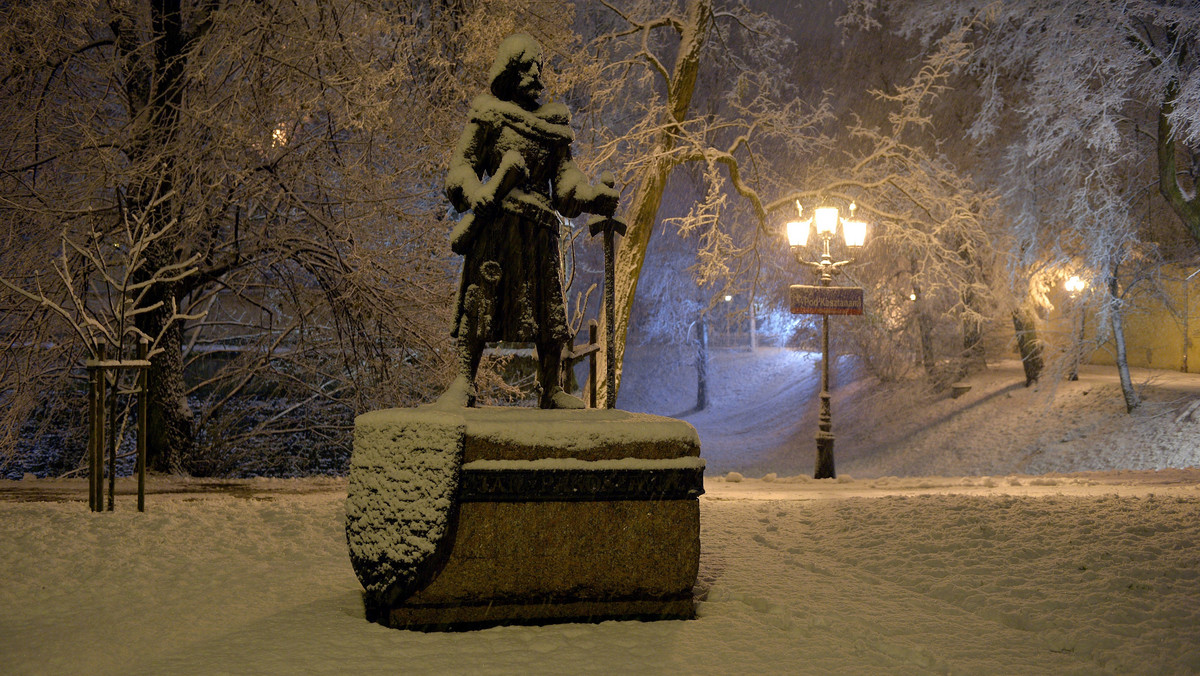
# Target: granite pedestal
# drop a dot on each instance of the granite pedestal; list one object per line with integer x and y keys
{"x": 475, "y": 517}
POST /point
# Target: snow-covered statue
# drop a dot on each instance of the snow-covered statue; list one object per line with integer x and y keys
{"x": 512, "y": 170}
{"x": 444, "y": 529}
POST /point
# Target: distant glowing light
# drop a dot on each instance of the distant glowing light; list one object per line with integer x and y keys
{"x": 912, "y": 296}
{"x": 279, "y": 137}
{"x": 728, "y": 298}
{"x": 1075, "y": 284}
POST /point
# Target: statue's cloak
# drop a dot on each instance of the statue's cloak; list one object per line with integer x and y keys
{"x": 522, "y": 234}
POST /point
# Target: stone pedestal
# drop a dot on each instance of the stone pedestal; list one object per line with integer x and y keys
{"x": 476, "y": 517}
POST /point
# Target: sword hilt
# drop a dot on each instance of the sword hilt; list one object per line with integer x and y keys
{"x": 607, "y": 223}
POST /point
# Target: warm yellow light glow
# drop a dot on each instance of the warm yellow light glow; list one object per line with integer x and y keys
{"x": 826, "y": 219}
{"x": 912, "y": 296}
{"x": 728, "y": 298}
{"x": 797, "y": 232}
{"x": 1075, "y": 284}
{"x": 279, "y": 136}
{"x": 855, "y": 232}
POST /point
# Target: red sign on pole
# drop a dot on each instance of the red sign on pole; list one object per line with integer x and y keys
{"x": 826, "y": 300}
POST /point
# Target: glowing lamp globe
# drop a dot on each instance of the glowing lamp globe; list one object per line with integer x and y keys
{"x": 797, "y": 232}
{"x": 1074, "y": 284}
{"x": 855, "y": 232}
{"x": 826, "y": 219}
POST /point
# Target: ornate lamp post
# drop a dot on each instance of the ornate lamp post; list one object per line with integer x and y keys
{"x": 825, "y": 300}
{"x": 1074, "y": 286}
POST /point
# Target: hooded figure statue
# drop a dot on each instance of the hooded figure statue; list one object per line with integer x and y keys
{"x": 512, "y": 170}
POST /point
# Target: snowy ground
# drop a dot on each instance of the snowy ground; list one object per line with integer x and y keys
{"x": 1007, "y": 570}
{"x": 1089, "y": 574}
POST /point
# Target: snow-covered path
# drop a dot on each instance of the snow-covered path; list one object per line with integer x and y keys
{"x": 1087, "y": 574}
{"x": 763, "y": 416}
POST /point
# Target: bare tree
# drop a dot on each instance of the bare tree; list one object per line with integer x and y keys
{"x": 750, "y": 136}
{"x": 652, "y": 58}
{"x": 297, "y": 151}
{"x": 89, "y": 297}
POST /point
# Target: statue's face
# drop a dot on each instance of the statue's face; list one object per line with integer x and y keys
{"x": 529, "y": 82}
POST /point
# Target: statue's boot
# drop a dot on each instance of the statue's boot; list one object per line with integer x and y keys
{"x": 460, "y": 394}
{"x": 560, "y": 399}
{"x": 553, "y": 395}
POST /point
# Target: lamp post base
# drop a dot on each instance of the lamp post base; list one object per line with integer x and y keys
{"x": 824, "y": 468}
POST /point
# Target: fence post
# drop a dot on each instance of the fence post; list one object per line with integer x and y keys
{"x": 143, "y": 395}
{"x": 593, "y": 338}
{"x": 101, "y": 410}
{"x": 91, "y": 439}
{"x": 112, "y": 431}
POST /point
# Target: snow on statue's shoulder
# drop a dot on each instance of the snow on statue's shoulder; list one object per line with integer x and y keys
{"x": 554, "y": 113}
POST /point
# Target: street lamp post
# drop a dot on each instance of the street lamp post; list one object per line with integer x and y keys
{"x": 1075, "y": 285}
{"x": 825, "y": 300}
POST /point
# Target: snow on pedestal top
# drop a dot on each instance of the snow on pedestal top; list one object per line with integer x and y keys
{"x": 508, "y": 433}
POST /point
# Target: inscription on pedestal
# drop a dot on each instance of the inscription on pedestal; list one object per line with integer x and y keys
{"x": 669, "y": 480}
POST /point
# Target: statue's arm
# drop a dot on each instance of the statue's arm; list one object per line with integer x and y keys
{"x": 573, "y": 194}
{"x": 463, "y": 187}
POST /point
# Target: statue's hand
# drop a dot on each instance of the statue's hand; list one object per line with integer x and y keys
{"x": 605, "y": 201}
{"x": 510, "y": 173}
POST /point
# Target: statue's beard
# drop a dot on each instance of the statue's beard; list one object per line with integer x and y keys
{"x": 528, "y": 93}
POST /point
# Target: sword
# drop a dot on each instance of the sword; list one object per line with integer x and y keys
{"x": 609, "y": 225}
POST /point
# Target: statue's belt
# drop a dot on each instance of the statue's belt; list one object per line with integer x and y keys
{"x": 531, "y": 206}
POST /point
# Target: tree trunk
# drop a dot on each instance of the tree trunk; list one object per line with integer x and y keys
{"x": 753, "y": 330}
{"x": 169, "y": 420}
{"x": 928, "y": 358}
{"x": 972, "y": 342}
{"x": 925, "y": 333}
{"x": 1115, "y": 311}
{"x": 973, "y": 355}
{"x": 1185, "y": 207}
{"x": 154, "y": 88}
{"x": 643, "y": 209}
{"x": 1028, "y": 343}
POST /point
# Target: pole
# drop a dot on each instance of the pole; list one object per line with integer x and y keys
{"x": 101, "y": 396}
{"x": 93, "y": 500}
{"x": 112, "y": 435}
{"x": 611, "y": 227}
{"x": 593, "y": 338}
{"x": 1078, "y": 347}
{"x": 824, "y": 467}
{"x": 143, "y": 411}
